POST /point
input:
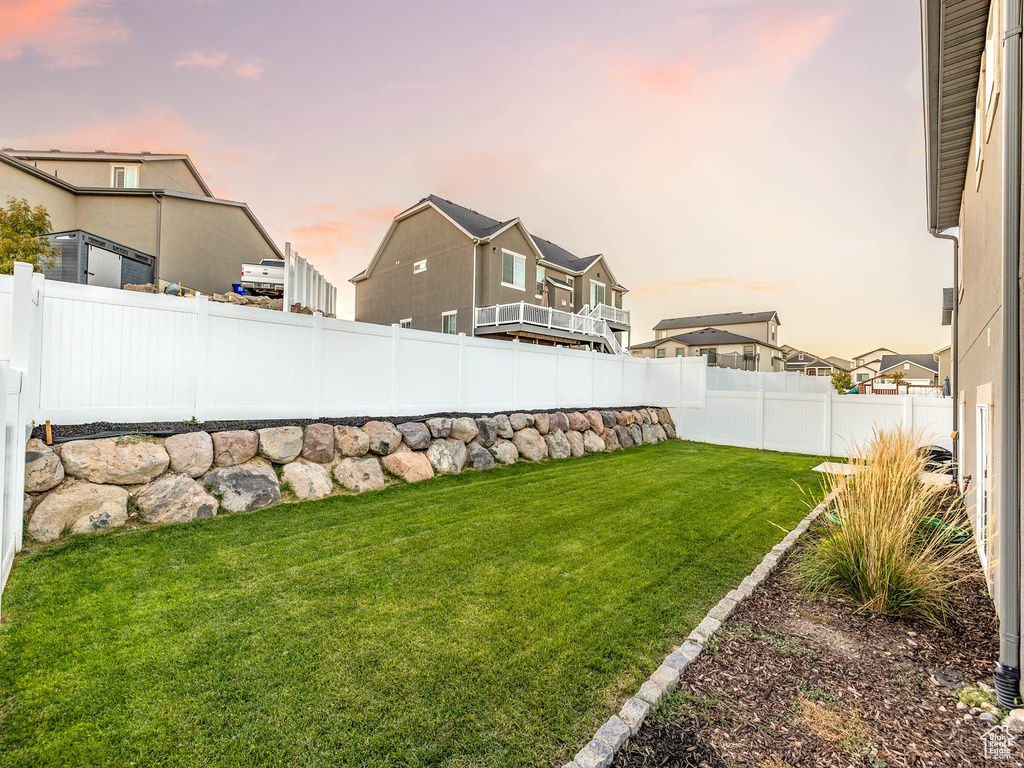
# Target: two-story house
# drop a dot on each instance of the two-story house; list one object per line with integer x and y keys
{"x": 746, "y": 340}
{"x": 444, "y": 267}
{"x": 972, "y": 88}
{"x": 130, "y": 217}
{"x": 867, "y": 364}
{"x": 800, "y": 361}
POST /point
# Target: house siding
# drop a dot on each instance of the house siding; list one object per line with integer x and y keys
{"x": 153, "y": 174}
{"x": 491, "y": 291}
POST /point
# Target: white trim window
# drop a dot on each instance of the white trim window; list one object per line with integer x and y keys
{"x": 571, "y": 281}
{"x": 597, "y": 293}
{"x": 513, "y": 270}
{"x": 419, "y": 266}
{"x": 541, "y": 274}
{"x": 407, "y": 323}
{"x": 448, "y": 322}
{"x": 981, "y": 505}
{"x": 124, "y": 176}
{"x": 660, "y": 334}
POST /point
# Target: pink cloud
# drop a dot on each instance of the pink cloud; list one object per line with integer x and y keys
{"x": 784, "y": 42}
{"x": 250, "y": 69}
{"x": 70, "y": 33}
{"x": 347, "y": 230}
{"x": 200, "y": 59}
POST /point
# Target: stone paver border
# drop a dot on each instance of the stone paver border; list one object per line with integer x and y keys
{"x": 600, "y": 751}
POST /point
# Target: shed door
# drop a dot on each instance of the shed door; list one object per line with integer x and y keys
{"x": 104, "y": 268}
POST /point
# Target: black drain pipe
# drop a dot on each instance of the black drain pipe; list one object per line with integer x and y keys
{"x": 1007, "y": 674}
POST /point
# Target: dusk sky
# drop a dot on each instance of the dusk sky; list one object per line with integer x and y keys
{"x": 731, "y": 155}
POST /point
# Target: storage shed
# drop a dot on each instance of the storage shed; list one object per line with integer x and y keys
{"x": 94, "y": 260}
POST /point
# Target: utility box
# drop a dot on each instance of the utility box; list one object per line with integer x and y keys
{"x": 92, "y": 260}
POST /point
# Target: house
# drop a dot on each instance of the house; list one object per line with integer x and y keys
{"x": 444, "y": 267}
{"x": 841, "y": 364}
{"x": 917, "y": 370}
{"x": 799, "y": 361}
{"x": 971, "y": 65}
{"x": 944, "y": 358}
{"x": 866, "y": 365}
{"x": 760, "y": 326}
{"x": 136, "y": 215}
{"x": 721, "y": 347}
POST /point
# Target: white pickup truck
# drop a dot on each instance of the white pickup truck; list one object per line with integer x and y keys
{"x": 265, "y": 278}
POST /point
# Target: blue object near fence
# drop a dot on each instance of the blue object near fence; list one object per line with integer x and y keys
{"x": 237, "y": 287}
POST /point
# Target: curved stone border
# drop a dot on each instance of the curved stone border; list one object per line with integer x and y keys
{"x": 610, "y": 737}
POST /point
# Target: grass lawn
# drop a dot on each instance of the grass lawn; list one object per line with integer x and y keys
{"x": 491, "y": 618}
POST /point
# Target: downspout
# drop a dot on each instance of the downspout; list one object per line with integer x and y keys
{"x": 1007, "y": 674}
{"x": 472, "y": 311}
{"x": 159, "y": 225}
{"x": 954, "y": 363}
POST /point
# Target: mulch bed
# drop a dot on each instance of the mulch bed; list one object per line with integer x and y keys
{"x": 796, "y": 681}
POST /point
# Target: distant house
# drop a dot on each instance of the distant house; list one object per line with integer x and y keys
{"x": 921, "y": 369}
{"x": 444, "y": 267}
{"x": 799, "y": 361}
{"x": 125, "y": 217}
{"x": 840, "y": 363}
{"x": 722, "y": 348}
{"x": 866, "y": 365}
{"x": 761, "y": 326}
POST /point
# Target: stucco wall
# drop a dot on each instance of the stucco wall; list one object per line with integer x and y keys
{"x": 392, "y": 292}
{"x": 492, "y": 291}
{"x": 60, "y": 203}
{"x": 153, "y": 174}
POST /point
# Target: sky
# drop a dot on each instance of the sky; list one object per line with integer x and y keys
{"x": 736, "y": 155}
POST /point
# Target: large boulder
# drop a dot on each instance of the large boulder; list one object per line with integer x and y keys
{"x": 360, "y": 475}
{"x": 280, "y": 444}
{"x": 505, "y": 451}
{"x": 235, "y": 446}
{"x": 190, "y": 453}
{"x": 608, "y": 419}
{"x": 575, "y": 439}
{"x": 318, "y": 443}
{"x": 411, "y": 466}
{"x": 486, "y": 430}
{"x": 244, "y": 486}
{"x": 479, "y": 456}
{"x": 464, "y": 429}
{"x": 670, "y": 431}
{"x": 520, "y": 420}
{"x": 128, "y": 460}
{"x": 624, "y": 436}
{"x": 636, "y": 434}
{"x": 384, "y": 438}
{"x": 641, "y": 417}
{"x": 351, "y": 441}
{"x": 623, "y": 418}
{"x": 665, "y": 418}
{"x": 439, "y": 427}
{"x": 175, "y": 498}
{"x": 659, "y": 433}
{"x": 648, "y": 434}
{"x": 504, "y": 426}
{"x": 307, "y": 479}
{"x": 43, "y": 469}
{"x": 542, "y": 422}
{"x": 558, "y": 422}
{"x": 596, "y": 422}
{"x": 558, "y": 445}
{"x": 447, "y": 455}
{"x": 578, "y": 422}
{"x": 530, "y": 444}
{"x": 652, "y": 413}
{"x": 79, "y": 507}
{"x": 592, "y": 443}
{"x": 415, "y": 434}
{"x": 611, "y": 439}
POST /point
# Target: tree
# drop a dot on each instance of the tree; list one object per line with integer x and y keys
{"x": 841, "y": 381}
{"x": 897, "y": 377}
{"x": 21, "y": 236}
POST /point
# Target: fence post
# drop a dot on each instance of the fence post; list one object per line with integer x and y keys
{"x": 315, "y": 366}
{"x": 828, "y": 424}
{"x": 515, "y": 373}
{"x": 593, "y": 377}
{"x": 459, "y": 397}
{"x": 760, "y": 419}
{"x": 396, "y": 331}
{"x": 289, "y": 279}
{"x": 201, "y": 394}
{"x": 908, "y": 411}
{"x": 558, "y": 376}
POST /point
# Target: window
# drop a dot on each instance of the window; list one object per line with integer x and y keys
{"x": 513, "y": 270}
{"x": 861, "y": 377}
{"x": 660, "y": 353}
{"x": 407, "y": 323}
{"x": 800, "y": 356}
{"x": 660, "y": 334}
{"x": 748, "y": 351}
{"x": 124, "y": 176}
{"x": 419, "y": 266}
{"x": 906, "y": 366}
{"x": 680, "y": 351}
{"x": 540, "y": 282}
{"x": 860, "y": 362}
{"x": 569, "y": 279}
{"x": 596, "y": 293}
{"x": 448, "y": 322}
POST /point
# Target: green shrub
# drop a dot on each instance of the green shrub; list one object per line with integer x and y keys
{"x": 880, "y": 545}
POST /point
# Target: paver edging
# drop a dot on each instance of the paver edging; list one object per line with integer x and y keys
{"x": 618, "y": 729}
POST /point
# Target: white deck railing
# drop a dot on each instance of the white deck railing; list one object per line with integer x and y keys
{"x": 612, "y": 314}
{"x": 546, "y": 317}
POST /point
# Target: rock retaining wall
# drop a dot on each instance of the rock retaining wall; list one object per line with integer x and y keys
{"x": 89, "y": 485}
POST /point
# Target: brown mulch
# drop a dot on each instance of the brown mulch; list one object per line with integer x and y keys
{"x": 796, "y": 681}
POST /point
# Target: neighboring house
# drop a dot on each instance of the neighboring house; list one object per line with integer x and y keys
{"x": 444, "y": 267}
{"x": 136, "y": 214}
{"x": 760, "y": 326}
{"x": 866, "y": 365}
{"x": 968, "y": 86}
{"x": 917, "y": 370}
{"x": 944, "y": 357}
{"x": 799, "y": 361}
{"x": 840, "y": 363}
{"x": 722, "y": 348}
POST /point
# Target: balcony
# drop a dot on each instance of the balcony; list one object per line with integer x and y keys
{"x": 610, "y": 314}
{"x": 580, "y": 327}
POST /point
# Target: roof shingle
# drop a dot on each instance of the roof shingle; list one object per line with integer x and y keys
{"x": 722, "y": 318}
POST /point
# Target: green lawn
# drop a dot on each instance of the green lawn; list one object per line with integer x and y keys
{"x": 492, "y": 618}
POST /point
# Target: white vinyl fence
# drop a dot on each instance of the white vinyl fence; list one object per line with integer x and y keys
{"x": 304, "y": 284}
